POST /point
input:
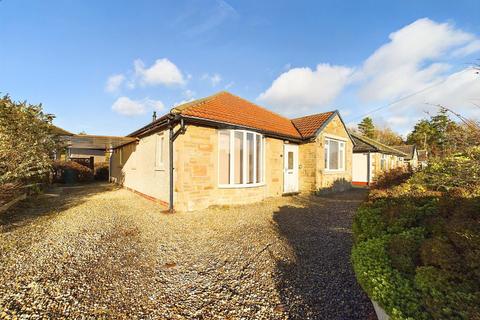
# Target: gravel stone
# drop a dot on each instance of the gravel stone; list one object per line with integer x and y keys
{"x": 96, "y": 251}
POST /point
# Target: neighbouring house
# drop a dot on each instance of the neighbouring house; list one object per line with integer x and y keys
{"x": 224, "y": 150}
{"x": 411, "y": 152}
{"x": 422, "y": 158}
{"x": 370, "y": 158}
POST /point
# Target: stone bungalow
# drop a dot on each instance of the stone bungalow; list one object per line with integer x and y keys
{"x": 223, "y": 150}
{"x": 370, "y": 158}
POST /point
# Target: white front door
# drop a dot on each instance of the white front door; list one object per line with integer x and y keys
{"x": 290, "y": 168}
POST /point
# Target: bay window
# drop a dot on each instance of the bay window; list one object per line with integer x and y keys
{"x": 334, "y": 155}
{"x": 240, "y": 158}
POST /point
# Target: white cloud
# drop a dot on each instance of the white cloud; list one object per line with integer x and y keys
{"x": 162, "y": 72}
{"x": 114, "y": 82}
{"x": 410, "y": 60}
{"x": 128, "y": 107}
{"x": 304, "y": 88}
{"x": 470, "y": 48}
{"x": 458, "y": 91}
{"x": 214, "y": 79}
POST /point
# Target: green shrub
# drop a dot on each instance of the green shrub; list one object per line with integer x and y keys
{"x": 440, "y": 253}
{"x": 101, "y": 171}
{"x": 403, "y": 250}
{"x": 446, "y": 297}
{"x": 62, "y": 170}
{"x": 27, "y": 142}
{"x": 384, "y": 284}
{"x": 417, "y": 244}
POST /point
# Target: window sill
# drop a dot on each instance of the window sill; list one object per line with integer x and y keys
{"x": 159, "y": 169}
{"x": 326, "y": 171}
{"x": 240, "y": 186}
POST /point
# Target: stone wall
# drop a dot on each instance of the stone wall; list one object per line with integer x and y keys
{"x": 196, "y": 174}
{"x": 391, "y": 162}
{"x": 336, "y": 181}
{"x": 307, "y": 159}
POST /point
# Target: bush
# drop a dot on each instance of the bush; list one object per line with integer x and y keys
{"x": 101, "y": 171}
{"x": 27, "y": 142}
{"x": 392, "y": 177}
{"x": 403, "y": 252}
{"x": 383, "y": 283}
{"x": 417, "y": 244}
{"x": 445, "y": 297}
{"x": 70, "y": 171}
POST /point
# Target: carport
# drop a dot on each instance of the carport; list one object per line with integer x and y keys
{"x": 91, "y": 146}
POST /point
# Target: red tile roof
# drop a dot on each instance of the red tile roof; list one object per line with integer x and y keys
{"x": 309, "y": 125}
{"x": 228, "y": 108}
{"x": 225, "y": 107}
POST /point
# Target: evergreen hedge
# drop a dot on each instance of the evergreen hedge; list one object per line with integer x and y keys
{"x": 417, "y": 244}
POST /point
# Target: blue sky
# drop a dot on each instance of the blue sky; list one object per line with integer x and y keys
{"x": 103, "y": 66}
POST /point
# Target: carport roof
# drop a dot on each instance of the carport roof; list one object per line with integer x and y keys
{"x": 86, "y": 141}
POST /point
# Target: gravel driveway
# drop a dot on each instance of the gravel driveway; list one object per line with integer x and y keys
{"x": 99, "y": 252}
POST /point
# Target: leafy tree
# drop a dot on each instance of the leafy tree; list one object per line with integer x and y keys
{"x": 439, "y": 134}
{"x": 388, "y": 136}
{"x": 421, "y": 135}
{"x": 367, "y": 128}
{"x": 27, "y": 141}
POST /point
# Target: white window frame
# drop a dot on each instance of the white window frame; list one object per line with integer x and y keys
{"x": 342, "y": 144}
{"x": 159, "y": 164}
{"x": 256, "y": 135}
{"x": 383, "y": 158}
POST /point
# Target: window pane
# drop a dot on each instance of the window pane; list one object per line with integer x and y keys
{"x": 259, "y": 159}
{"x": 333, "y": 150}
{"x": 238, "y": 154}
{"x": 326, "y": 154}
{"x": 290, "y": 160}
{"x": 224, "y": 157}
{"x": 250, "y": 148}
{"x": 342, "y": 155}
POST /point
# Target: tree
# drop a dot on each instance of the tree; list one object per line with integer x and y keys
{"x": 27, "y": 141}
{"x": 439, "y": 134}
{"x": 421, "y": 134}
{"x": 388, "y": 136}
{"x": 367, "y": 128}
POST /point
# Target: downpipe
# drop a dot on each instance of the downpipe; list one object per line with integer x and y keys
{"x": 173, "y": 135}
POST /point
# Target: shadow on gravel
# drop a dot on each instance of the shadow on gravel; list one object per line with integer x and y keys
{"x": 54, "y": 200}
{"x": 320, "y": 283}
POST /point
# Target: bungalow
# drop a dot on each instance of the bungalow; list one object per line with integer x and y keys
{"x": 422, "y": 158}
{"x": 411, "y": 152}
{"x": 223, "y": 149}
{"x": 370, "y": 158}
